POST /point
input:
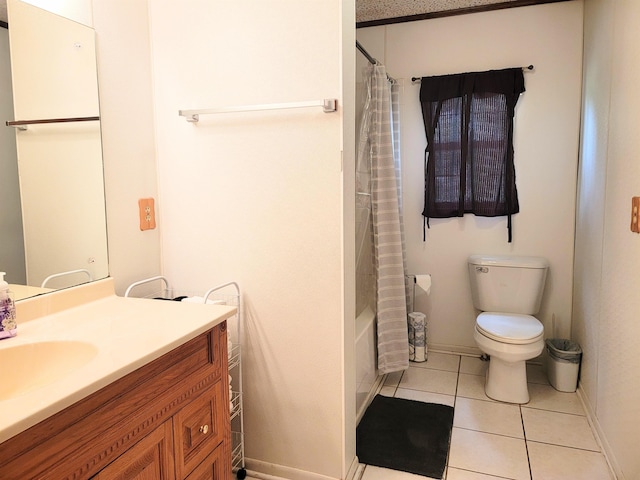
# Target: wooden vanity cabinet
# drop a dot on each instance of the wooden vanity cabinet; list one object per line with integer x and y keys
{"x": 149, "y": 459}
{"x": 211, "y": 469}
{"x": 168, "y": 420}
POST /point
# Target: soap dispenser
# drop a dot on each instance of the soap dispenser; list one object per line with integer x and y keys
{"x": 8, "y": 326}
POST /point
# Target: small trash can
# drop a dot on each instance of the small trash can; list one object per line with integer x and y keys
{"x": 563, "y": 364}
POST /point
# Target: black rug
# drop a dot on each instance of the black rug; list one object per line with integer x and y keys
{"x": 405, "y": 435}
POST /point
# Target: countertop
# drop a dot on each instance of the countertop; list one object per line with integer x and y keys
{"x": 21, "y": 292}
{"x": 127, "y": 333}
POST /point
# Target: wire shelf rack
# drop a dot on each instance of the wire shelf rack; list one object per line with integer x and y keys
{"x": 224, "y": 294}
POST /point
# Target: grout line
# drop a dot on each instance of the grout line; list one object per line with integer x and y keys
{"x": 455, "y": 400}
{"x": 480, "y": 473}
{"x": 457, "y": 383}
{"x": 486, "y": 399}
{"x": 565, "y": 446}
{"x": 526, "y": 442}
{"x": 490, "y": 433}
{"x": 553, "y": 411}
{"x": 431, "y": 392}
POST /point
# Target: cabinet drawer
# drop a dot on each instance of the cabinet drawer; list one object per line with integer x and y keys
{"x": 212, "y": 468}
{"x": 149, "y": 459}
{"x": 198, "y": 429}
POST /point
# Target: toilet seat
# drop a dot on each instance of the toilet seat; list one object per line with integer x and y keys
{"x": 511, "y": 328}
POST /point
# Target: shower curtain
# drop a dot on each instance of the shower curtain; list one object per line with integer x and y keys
{"x": 378, "y": 173}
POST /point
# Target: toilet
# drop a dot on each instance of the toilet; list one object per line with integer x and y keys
{"x": 508, "y": 291}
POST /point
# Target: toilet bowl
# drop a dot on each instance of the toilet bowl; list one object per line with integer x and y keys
{"x": 508, "y": 291}
{"x": 509, "y": 340}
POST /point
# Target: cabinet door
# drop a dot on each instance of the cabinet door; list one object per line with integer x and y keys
{"x": 212, "y": 468}
{"x": 199, "y": 429}
{"x": 150, "y": 459}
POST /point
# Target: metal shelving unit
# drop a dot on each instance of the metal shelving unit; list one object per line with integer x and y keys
{"x": 225, "y": 294}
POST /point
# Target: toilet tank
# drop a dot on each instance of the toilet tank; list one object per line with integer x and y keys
{"x": 507, "y": 284}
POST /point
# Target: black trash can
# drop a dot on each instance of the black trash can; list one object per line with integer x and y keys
{"x": 563, "y": 364}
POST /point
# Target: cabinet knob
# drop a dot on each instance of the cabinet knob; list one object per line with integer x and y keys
{"x": 204, "y": 429}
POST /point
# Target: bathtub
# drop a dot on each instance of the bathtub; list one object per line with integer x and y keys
{"x": 367, "y": 378}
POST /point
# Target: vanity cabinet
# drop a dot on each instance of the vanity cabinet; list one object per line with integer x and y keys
{"x": 167, "y": 420}
{"x": 149, "y": 459}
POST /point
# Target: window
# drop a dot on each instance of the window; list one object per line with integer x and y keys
{"x": 468, "y": 122}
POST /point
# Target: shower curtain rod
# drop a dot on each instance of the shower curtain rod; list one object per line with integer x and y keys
{"x": 372, "y": 60}
{"x": 418, "y": 79}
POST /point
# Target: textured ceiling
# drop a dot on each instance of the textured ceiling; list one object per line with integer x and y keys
{"x": 377, "y": 12}
{"x": 368, "y": 10}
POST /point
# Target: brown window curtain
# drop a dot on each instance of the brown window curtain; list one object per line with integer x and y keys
{"x": 468, "y": 120}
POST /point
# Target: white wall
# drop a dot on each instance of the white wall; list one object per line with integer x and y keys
{"x": 606, "y": 300}
{"x": 128, "y": 136}
{"x": 546, "y": 153}
{"x": 257, "y": 198}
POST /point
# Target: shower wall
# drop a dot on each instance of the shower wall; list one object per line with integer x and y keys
{"x": 364, "y": 248}
{"x": 366, "y": 354}
{"x": 365, "y": 279}
{"x": 365, "y": 272}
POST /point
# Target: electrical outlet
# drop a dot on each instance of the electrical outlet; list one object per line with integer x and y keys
{"x": 147, "y": 214}
{"x": 635, "y": 211}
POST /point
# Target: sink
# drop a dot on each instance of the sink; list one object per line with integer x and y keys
{"x": 32, "y": 365}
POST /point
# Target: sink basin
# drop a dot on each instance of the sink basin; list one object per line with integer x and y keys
{"x": 29, "y": 366}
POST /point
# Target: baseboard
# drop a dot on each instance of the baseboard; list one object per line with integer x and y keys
{"x": 455, "y": 349}
{"x": 355, "y": 470}
{"x": 270, "y": 471}
{"x": 614, "y": 468}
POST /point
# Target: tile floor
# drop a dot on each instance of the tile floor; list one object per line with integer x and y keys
{"x": 547, "y": 439}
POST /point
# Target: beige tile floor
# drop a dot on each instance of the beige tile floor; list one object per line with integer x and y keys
{"x": 547, "y": 439}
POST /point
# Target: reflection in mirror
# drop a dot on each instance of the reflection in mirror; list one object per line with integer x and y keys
{"x": 59, "y": 163}
{"x": 11, "y": 236}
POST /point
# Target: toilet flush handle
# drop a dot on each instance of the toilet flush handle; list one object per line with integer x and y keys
{"x": 482, "y": 269}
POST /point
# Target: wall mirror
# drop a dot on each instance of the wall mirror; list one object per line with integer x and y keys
{"x": 52, "y": 205}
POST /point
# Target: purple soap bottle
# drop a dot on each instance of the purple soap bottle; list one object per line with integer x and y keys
{"x": 8, "y": 326}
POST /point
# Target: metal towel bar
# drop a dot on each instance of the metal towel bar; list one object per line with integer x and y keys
{"x": 22, "y": 124}
{"x": 328, "y": 105}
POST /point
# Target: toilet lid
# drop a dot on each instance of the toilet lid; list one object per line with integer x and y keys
{"x": 509, "y": 327}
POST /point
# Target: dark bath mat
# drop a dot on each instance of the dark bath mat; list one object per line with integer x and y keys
{"x": 405, "y": 435}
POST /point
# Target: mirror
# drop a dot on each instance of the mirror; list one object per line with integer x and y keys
{"x": 52, "y": 221}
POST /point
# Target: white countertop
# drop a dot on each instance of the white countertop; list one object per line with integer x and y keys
{"x": 25, "y": 291}
{"x": 127, "y": 333}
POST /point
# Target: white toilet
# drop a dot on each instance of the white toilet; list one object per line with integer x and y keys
{"x": 508, "y": 291}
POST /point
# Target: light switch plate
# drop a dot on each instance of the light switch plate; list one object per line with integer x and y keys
{"x": 147, "y": 213}
{"x": 635, "y": 211}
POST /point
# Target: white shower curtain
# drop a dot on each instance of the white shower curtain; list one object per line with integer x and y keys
{"x": 379, "y": 147}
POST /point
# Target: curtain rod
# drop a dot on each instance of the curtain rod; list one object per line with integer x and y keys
{"x": 418, "y": 79}
{"x": 372, "y": 60}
